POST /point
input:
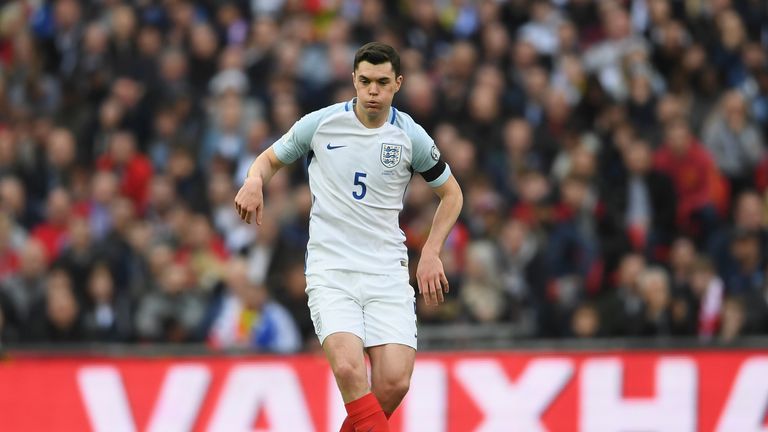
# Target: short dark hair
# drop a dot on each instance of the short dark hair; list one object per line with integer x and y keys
{"x": 378, "y": 53}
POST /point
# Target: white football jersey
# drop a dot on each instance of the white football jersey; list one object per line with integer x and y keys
{"x": 358, "y": 178}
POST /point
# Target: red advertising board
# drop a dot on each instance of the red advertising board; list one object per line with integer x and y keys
{"x": 454, "y": 392}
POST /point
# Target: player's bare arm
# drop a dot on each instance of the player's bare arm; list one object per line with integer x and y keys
{"x": 249, "y": 201}
{"x": 430, "y": 274}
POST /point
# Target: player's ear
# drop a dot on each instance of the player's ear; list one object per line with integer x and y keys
{"x": 398, "y": 82}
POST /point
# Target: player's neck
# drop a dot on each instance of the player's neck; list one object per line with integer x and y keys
{"x": 371, "y": 122}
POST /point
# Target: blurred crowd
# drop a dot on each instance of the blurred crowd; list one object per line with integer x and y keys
{"x": 612, "y": 155}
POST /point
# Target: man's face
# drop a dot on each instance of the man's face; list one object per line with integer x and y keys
{"x": 637, "y": 159}
{"x": 375, "y": 85}
{"x": 678, "y": 138}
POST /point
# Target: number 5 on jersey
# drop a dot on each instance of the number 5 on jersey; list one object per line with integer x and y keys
{"x": 359, "y": 182}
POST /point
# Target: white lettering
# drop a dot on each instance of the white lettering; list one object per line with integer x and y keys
{"x": 105, "y": 400}
{"x": 336, "y": 411}
{"x": 603, "y": 409}
{"x": 425, "y": 405}
{"x": 275, "y": 388}
{"x": 745, "y": 407}
{"x": 513, "y": 406}
{"x": 176, "y": 409}
{"x": 180, "y": 398}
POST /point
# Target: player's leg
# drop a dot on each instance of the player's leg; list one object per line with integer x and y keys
{"x": 338, "y": 320}
{"x": 345, "y": 355}
{"x": 390, "y": 337}
{"x": 391, "y": 370}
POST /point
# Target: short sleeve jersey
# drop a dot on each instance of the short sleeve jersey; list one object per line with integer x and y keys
{"x": 358, "y": 177}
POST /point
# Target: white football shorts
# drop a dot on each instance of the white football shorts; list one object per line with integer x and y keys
{"x": 379, "y": 309}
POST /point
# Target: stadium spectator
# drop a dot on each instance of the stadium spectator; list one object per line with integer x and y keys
{"x": 663, "y": 314}
{"x": 574, "y": 253}
{"x": 524, "y": 272}
{"x": 26, "y": 287}
{"x": 221, "y": 191}
{"x": 656, "y": 317}
{"x": 747, "y": 273}
{"x": 12, "y": 239}
{"x": 291, "y": 293}
{"x": 173, "y": 310}
{"x": 95, "y": 208}
{"x": 695, "y": 177}
{"x": 107, "y": 314}
{"x": 754, "y": 307}
{"x": 734, "y": 319}
{"x": 482, "y": 292}
{"x": 166, "y": 134}
{"x": 256, "y": 141}
{"x": 133, "y": 169}
{"x": 734, "y": 141}
{"x": 621, "y": 304}
{"x": 585, "y": 322}
{"x": 161, "y": 202}
{"x": 53, "y": 232}
{"x": 682, "y": 260}
{"x": 3, "y": 332}
{"x": 78, "y": 256}
{"x": 246, "y": 317}
{"x": 10, "y": 324}
{"x": 30, "y": 88}
{"x": 644, "y": 201}
{"x": 58, "y": 317}
{"x": 60, "y": 159}
{"x": 518, "y": 154}
{"x": 758, "y": 98}
{"x": 115, "y": 244}
{"x": 228, "y": 118}
{"x": 9, "y": 153}
{"x": 202, "y": 251}
{"x": 748, "y": 216}
{"x": 15, "y": 204}
{"x": 203, "y": 51}
{"x": 708, "y": 293}
{"x": 188, "y": 180}
{"x": 533, "y": 191}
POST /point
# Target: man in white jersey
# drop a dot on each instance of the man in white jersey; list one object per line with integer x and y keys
{"x": 362, "y": 154}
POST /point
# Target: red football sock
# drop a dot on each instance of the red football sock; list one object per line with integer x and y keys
{"x": 366, "y": 415}
{"x": 347, "y": 425}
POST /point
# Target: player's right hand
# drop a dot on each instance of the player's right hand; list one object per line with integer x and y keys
{"x": 249, "y": 200}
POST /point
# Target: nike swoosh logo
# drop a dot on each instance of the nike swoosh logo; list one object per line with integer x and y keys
{"x": 330, "y": 147}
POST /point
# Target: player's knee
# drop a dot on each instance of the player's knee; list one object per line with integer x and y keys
{"x": 393, "y": 388}
{"x": 349, "y": 373}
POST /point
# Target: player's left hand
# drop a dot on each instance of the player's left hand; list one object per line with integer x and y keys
{"x": 430, "y": 276}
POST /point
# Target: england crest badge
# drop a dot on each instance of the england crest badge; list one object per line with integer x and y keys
{"x": 390, "y": 154}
